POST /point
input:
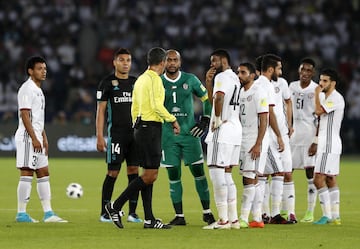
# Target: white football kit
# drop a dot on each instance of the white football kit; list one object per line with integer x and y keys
{"x": 329, "y": 141}
{"x": 252, "y": 103}
{"x": 281, "y": 93}
{"x": 224, "y": 143}
{"x": 265, "y": 84}
{"x": 304, "y": 124}
{"x": 30, "y": 97}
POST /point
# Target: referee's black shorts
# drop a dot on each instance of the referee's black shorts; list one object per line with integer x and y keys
{"x": 148, "y": 140}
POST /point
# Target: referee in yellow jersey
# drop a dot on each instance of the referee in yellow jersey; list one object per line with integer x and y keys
{"x": 148, "y": 114}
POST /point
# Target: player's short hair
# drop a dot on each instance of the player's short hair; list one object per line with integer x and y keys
{"x": 121, "y": 51}
{"x": 308, "y": 60}
{"x": 333, "y": 75}
{"x": 31, "y": 61}
{"x": 249, "y": 66}
{"x": 222, "y": 53}
{"x": 269, "y": 60}
{"x": 258, "y": 62}
{"x": 155, "y": 56}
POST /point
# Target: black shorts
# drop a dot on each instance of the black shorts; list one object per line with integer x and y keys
{"x": 121, "y": 146}
{"x": 148, "y": 140}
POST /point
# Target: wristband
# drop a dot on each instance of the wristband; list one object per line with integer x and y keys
{"x": 315, "y": 140}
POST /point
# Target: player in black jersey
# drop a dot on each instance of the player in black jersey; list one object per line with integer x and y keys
{"x": 114, "y": 98}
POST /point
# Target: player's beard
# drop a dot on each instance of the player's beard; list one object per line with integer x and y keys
{"x": 172, "y": 70}
{"x": 274, "y": 77}
{"x": 326, "y": 89}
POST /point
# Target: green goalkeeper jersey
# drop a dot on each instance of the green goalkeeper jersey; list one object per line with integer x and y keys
{"x": 179, "y": 100}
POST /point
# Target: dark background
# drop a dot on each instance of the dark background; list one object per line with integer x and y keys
{"x": 78, "y": 39}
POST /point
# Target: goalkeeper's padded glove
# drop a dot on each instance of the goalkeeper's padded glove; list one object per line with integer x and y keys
{"x": 199, "y": 129}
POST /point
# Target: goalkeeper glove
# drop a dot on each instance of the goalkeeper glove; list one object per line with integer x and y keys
{"x": 199, "y": 129}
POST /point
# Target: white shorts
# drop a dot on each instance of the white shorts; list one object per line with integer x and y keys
{"x": 26, "y": 157}
{"x": 249, "y": 167}
{"x": 285, "y": 155}
{"x": 328, "y": 164}
{"x": 300, "y": 157}
{"x": 222, "y": 155}
{"x": 273, "y": 160}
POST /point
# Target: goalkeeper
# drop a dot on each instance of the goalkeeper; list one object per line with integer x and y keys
{"x": 179, "y": 90}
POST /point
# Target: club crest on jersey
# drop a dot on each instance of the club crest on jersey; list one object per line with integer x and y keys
{"x": 277, "y": 89}
{"x": 114, "y": 83}
{"x": 185, "y": 86}
{"x": 311, "y": 95}
{"x": 249, "y": 98}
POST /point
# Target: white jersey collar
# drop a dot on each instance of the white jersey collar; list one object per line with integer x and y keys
{"x": 172, "y": 80}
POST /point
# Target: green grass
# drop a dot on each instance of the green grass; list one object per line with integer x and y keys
{"x": 85, "y": 231}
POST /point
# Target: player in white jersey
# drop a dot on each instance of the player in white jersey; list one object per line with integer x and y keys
{"x": 302, "y": 144}
{"x": 254, "y": 110}
{"x": 271, "y": 68}
{"x": 283, "y": 112}
{"x": 32, "y": 144}
{"x": 224, "y": 139}
{"x": 329, "y": 106}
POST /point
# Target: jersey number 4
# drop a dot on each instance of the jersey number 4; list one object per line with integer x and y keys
{"x": 235, "y": 98}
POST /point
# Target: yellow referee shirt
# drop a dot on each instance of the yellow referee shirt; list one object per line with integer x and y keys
{"x": 148, "y": 97}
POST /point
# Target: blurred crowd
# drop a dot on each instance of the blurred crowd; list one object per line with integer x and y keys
{"x": 78, "y": 39}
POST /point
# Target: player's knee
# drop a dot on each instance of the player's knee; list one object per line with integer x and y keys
{"x": 113, "y": 173}
{"x": 197, "y": 170}
{"x": 131, "y": 170}
{"x": 173, "y": 173}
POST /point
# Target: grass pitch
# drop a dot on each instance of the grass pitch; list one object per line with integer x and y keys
{"x": 85, "y": 231}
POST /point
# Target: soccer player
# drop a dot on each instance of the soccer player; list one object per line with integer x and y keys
{"x": 254, "y": 120}
{"x": 303, "y": 146}
{"x": 179, "y": 90}
{"x": 114, "y": 96}
{"x": 329, "y": 106}
{"x": 32, "y": 144}
{"x": 283, "y": 112}
{"x": 224, "y": 139}
{"x": 271, "y": 69}
{"x": 148, "y": 113}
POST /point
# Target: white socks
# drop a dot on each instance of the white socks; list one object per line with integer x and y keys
{"x": 289, "y": 198}
{"x": 335, "y": 202}
{"x": 231, "y": 198}
{"x": 248, "y": 197}
{"x": 324, "y": 198}
{"x": 277, "y": 186}
{"x": 43, "y": 189}
{"x": 217, "y": 176}
{"x": 23, "y": 192}
{"x": 311, "y": 195}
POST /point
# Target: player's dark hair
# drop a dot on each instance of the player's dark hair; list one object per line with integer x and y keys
{"x": 222, "y": 53}
{"x": 31, "y": 61}
{"x": 269, "y": 60}
{"x": 258, "y": 62}
{"x": 121, "y": 51}
{"x": 249, "y": 66}
{"x": 155, "y": 56}
{"x": 309, "y": 61}
{"x": 333, "y": 75}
